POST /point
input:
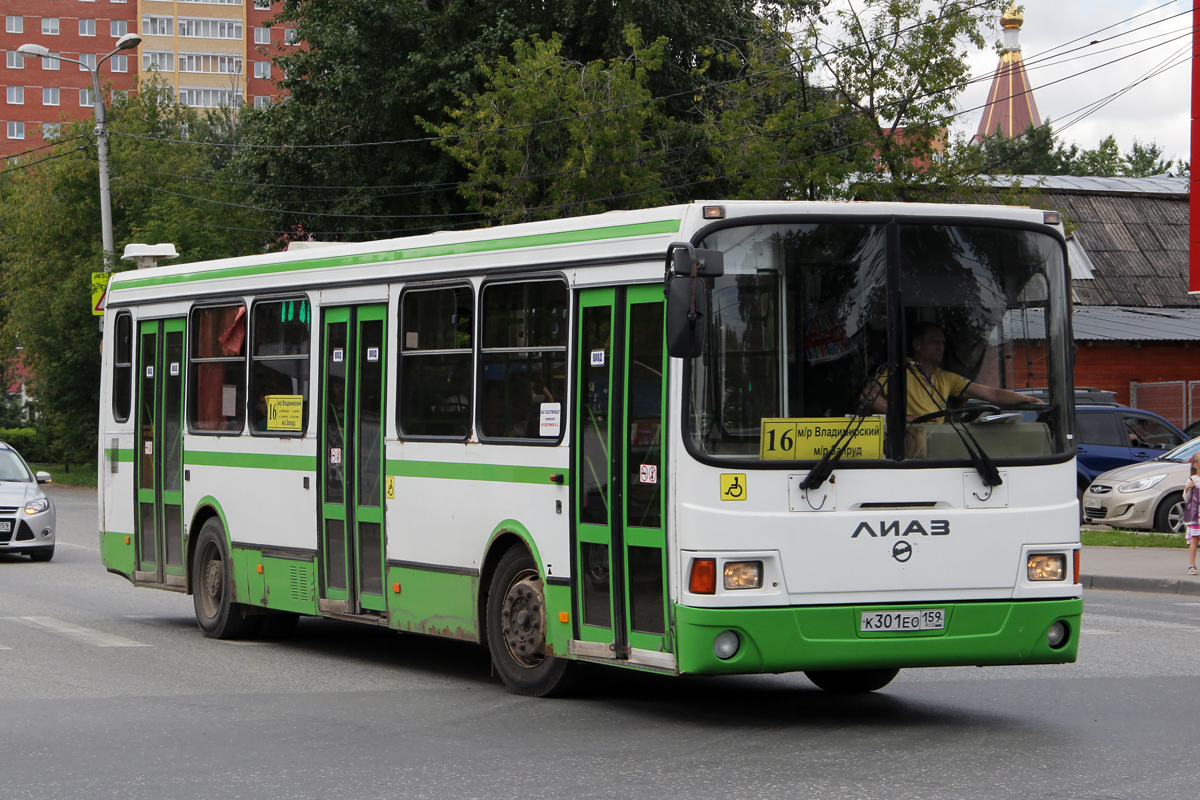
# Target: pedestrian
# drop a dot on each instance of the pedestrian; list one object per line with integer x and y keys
{"x": 1191, "y": 512}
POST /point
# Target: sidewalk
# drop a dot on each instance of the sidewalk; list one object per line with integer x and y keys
{"x": 1137, "y": 569}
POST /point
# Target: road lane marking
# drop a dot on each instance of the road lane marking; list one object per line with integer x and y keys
{"x": 78, "y": 632}
{"x": 1100, "y": 632}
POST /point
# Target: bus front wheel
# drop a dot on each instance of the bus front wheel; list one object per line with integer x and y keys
{"x": 516, "y": 630}
{"x": 212, "y": 587}
{"x": 851, "y": 681}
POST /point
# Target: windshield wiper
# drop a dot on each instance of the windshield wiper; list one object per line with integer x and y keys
{"x": 824, "y": 468}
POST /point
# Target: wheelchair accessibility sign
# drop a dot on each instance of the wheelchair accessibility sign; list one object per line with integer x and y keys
{"x": 733, "y": 486}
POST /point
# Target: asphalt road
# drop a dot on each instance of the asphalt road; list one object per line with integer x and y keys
{"x": 107, "y": 691}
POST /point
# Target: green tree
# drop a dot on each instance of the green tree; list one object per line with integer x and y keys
{"x": 1144, "y": 160}
{"x": 1036, "y": 152}
{"x": 1102, "y": 162}
{"x": 369, "y": 70}
{"x": 50, "y": 240}
{"x": 603, "y": 155}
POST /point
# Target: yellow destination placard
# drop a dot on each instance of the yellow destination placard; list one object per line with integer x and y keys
{"x": 285, "y": 412}
{"x": 810, "y": 439}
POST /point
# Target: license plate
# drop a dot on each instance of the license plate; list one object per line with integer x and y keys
{"x": 1091, "y": 502}
{"x": 5, "y": 527}
{"x": 925, "y": 619}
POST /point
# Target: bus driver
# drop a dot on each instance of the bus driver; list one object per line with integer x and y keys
{"x": 930, "y": 386}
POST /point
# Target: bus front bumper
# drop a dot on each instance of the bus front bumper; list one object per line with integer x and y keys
{"x": 981, "y": 633}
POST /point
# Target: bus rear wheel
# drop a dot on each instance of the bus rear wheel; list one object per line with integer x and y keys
{"x": 516, "y": 630}
{"x": 212, "y": 588}
{"x": 851, "y": 681}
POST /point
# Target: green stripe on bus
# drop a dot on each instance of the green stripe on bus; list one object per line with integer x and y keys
{"x": 429, "y": 251}
{"x": 208, "y": 458}
{"x": 120, "y": 454}
{"x": 499, "y": 473}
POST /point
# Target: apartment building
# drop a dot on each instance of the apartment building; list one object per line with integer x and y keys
{"x": 210, "y": 53}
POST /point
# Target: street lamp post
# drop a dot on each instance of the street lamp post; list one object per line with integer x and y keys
{"x": 126, "y": 42}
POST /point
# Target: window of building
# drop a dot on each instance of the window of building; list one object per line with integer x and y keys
{"x": 261, "y": 101}
{"x": 262, "y": 69}
{"x": 262, "y": 5}
{"x": 122, "y": 374}
{"x": 51, "y": 130}
{"x": 156, "y": 26}
{"x": 210, "y": 28}
{"x": 118, "y": 28}
{"x": 198, "y": 97}
{"x": 14, "y": 60}
{"x": 16, "y": 130}
{"x": 14, "y": 24}
{"x": 119, "y": 63}
{"x": 290, "y": 36}
{"x": 163, "y": 61}
{"x": 51, "y": 62}
{"x": 436, "y": 328}
{"x": 87, "y": 98}
{"x": 87, "y": 27}
{"x": 50, "y": 96}
{"x": 523, "y": 359}
{"x": 210, "y": 62}
{"x": 217, "y": 369}
{"x": 50, "y": 26}
{"x": 16, "y": 95}
{"x": 87, "y": 61}
{"x": 279, "y": 366}
{"x": 262, "y": 35}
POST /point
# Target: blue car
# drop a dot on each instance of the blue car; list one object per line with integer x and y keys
{"x": 1113, "y": 436}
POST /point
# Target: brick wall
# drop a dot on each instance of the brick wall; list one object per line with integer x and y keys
{"x": 1115, "y": 366}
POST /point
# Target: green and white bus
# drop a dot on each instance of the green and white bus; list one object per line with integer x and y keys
{"x": 641, "y": 439}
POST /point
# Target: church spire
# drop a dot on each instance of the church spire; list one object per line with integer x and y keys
{"x": 1010, "y": 106}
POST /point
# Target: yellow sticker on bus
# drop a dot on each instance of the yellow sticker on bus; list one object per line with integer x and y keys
{"x": 285, "y": 412}
{"x": 810, "y": 439}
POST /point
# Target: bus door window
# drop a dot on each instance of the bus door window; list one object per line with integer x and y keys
{"x": 523, "y": 355}
{"x": 595, "y": 462}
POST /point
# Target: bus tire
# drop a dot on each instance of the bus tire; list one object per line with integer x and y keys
{"x": 516, "y": 630}
{"x": 851, "y": 681}
{"x": 212, "y": 588}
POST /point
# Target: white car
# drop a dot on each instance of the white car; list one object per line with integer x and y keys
{"x": 26, "y": 513}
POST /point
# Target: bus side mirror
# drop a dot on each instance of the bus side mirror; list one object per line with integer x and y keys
{"x": 685, "y": 328}
{"x": 707, "y": 263}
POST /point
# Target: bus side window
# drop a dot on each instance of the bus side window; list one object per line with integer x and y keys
{"x": 436, "y": 328}
{"x": 217, "y": 367}
{"x": 523, "y": 363}
{"x": 281, "y": 333}
{"x": 122, "y": 373}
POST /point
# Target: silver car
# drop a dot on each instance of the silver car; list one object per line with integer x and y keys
{"x": 26, "y": 513}
{"x": 1146, "y": 495}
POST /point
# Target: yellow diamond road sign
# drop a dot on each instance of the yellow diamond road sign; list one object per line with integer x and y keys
{"x": 99, "y": 292}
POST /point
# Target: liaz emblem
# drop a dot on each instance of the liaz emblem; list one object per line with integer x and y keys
{"x": 934, "y": 527}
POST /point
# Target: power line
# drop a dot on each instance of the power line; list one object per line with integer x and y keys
{"x": 46, "y": 146}
{"x": 43, "y": 160}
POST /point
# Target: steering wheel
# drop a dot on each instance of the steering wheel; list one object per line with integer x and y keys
{"x": 964, "y": 414}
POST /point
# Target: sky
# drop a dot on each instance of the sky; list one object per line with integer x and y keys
{"x": 1155, "y": 110}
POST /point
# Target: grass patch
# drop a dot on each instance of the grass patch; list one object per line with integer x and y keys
{"x": 80, "y": 474}
{"x": 1120, "y": 538}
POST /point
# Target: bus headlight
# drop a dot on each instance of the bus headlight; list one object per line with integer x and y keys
{"x": 743, "y": 574}
{"x": 1046, "y": 567}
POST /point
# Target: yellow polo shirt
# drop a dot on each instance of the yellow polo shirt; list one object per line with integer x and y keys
{"x": 945, "y": 384}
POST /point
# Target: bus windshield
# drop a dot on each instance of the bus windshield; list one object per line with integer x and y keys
{"x": 812, "y": 321}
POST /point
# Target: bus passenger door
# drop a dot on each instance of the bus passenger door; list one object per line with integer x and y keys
{"x": 160, "y": 459}
{"x": 352, "y": 536}
{"x": 620, "y": 544}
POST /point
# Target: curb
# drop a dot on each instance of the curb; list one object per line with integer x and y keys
{"x": 1121, "y": 583}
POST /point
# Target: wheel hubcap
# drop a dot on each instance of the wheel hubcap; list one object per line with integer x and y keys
{"x": 523, "y": 621}
{"x": 212, "y": 578}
